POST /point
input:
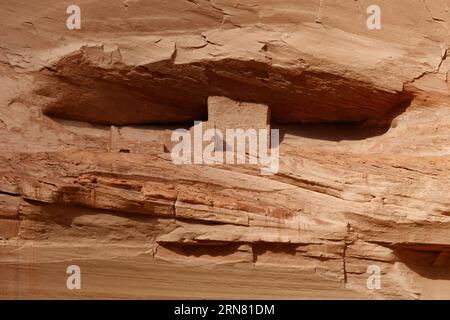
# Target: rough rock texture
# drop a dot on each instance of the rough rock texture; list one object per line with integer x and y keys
{"x": 86, "y": 175}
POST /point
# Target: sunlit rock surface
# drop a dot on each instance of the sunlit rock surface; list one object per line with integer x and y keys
{"x": 87, "y": 178}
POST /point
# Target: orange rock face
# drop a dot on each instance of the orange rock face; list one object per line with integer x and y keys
{"x": 358, "y": 209}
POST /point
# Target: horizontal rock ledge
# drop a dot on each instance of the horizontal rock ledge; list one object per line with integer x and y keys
{"x": 79, "y": 87}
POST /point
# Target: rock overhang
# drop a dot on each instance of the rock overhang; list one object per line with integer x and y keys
{"x": 90, "y": 82}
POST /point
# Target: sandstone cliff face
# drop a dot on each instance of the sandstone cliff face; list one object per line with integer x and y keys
{"x": 87, "y": 178}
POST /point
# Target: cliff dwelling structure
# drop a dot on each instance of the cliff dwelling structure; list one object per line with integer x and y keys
{"x": 225, "y": 113}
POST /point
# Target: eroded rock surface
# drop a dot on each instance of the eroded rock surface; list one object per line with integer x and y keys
{"x": 86, "y": 173}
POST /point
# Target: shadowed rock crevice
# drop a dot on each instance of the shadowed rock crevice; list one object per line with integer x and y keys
{"x": 164, "y": 92}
